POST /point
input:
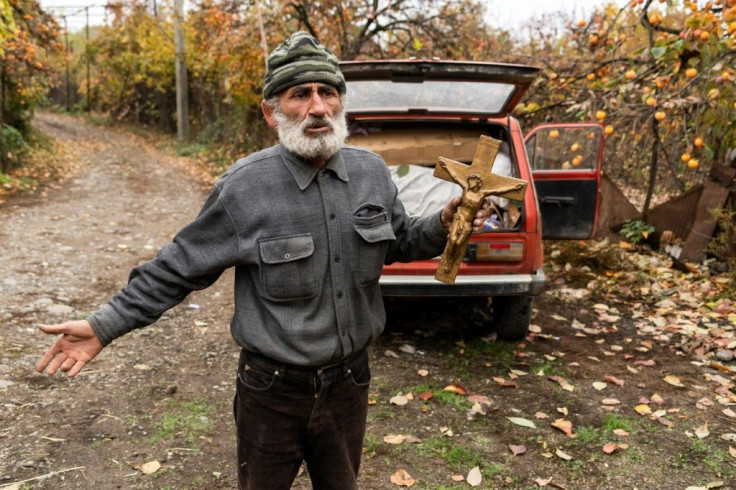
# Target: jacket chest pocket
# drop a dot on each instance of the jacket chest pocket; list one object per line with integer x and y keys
{"x": 373, "y": 225}
{"x": 287, "y": 267}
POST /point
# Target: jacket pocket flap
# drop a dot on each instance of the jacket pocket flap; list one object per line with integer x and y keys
{"x": 286, "y": 249}
{"x": 374, "y": 231}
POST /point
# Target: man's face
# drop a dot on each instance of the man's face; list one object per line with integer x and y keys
{"x": 309, "y": 119}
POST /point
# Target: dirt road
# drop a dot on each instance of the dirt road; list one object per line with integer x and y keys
{"x": 563, "y": 409}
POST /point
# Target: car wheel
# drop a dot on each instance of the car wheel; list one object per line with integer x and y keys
{"x": 511, "y": 316}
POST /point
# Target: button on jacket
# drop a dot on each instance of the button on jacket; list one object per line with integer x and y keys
{"x": 308, "y": 248}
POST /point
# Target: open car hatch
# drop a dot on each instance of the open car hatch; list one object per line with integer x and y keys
{"x": 436, "y": 87}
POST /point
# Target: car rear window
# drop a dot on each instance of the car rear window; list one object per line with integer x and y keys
{"x": 428, "y": 96}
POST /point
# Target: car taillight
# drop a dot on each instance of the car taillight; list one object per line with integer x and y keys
{"x": 495, "y": 251}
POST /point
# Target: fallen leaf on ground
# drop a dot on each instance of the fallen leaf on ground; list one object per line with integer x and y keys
{"x": 522, "y": 422}
{"x": 425, "y": 395}
{"x": 563, "y": 425}
{"x": 610, "y": 401}
{"x": 474, "y": 477}
{"x": 457, "y": 478}
{"x": 456, "y": 389}
{"x": 150, "y": 467}
{"x": 610, "y": 447}
{"x": 394, "y": 439}
{"x": 479, "y": 399}
{"x": 517, "y": 449}
{"x": 599, "y": 385}
{"x": 504, "y": 382}
{"x": 423, "y": 372}
{"x": 563, "y": 455}
{"x": 674, "y": 381}
{"x": 562, "y": 382}
{"x": 702, "y": 432}
{"x": 399, "y": 400}
{"x": 402, "y": 478}
{"x": 644, "y": 363}
{"x": 615, "y": 380}
{"x": 643, "y": 409}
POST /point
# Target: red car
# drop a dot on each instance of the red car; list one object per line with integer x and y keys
{"x": 412, "y": 112}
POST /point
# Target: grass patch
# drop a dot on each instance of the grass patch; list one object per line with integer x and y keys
{"x": 443, "y": 397}
{"x": 587, "y": 435}
{"x": 457, "y": 457}
{"x": 371, "y": 443}
{"x": 712, "y": 457}
{"x": 189, "y": 420}
{"x": 552, "y": 368}
{"x": 376, "y": 414}
{"x": 615, "y": 421}
{"x": 500, "y": 353}
{"x": 193, "y": 149}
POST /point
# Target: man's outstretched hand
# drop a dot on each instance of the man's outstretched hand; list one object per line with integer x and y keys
{"x": 77, "y": 346}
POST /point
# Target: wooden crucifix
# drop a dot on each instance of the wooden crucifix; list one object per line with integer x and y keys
{"x": 477, "y": 182}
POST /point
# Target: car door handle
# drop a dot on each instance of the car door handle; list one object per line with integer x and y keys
{"x": 558, "y": 201}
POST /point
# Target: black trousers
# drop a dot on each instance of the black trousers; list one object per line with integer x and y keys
{"x": 288, "y": 414}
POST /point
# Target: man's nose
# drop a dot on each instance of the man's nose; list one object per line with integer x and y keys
{"x": 317, "y": 106}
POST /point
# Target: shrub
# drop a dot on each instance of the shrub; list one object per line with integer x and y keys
{"x": 12, "y": 145}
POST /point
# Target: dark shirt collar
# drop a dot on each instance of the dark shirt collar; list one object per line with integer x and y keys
{"x": 304, "y": 172}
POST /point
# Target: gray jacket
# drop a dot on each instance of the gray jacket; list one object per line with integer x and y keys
{"x": 308, "y": 248}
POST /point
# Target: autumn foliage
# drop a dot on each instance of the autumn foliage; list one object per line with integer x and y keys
{"x": 27, "y": 37}
{"x": 658, "y": 74}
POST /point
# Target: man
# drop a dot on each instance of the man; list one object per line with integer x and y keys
{"x": 308, "y": 225}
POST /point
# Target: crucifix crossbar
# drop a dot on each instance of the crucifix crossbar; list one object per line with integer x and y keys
{"x": 477, "y": 182}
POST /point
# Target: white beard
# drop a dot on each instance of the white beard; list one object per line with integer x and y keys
{"x": 312, "y": 147}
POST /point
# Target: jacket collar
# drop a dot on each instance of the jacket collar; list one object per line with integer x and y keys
{"x": 304, "y": 172}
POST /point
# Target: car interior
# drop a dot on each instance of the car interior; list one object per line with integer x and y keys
{"x": 411, "y": 149}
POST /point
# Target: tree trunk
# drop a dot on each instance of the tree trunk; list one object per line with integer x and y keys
{"x": 652, "y": 167}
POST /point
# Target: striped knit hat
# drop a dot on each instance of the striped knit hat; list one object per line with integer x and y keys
{"x": 301, "y": 59}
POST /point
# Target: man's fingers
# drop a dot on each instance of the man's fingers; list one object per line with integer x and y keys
{"x": 47, "y": 357}
{"x": 74, "y": 370}
{"x": 55, "y": 363}
{"x": 68, "y": 364}
{"x": 53, "y": 329}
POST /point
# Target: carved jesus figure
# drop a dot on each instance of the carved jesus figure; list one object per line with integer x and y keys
{"x": 477, "y": 182}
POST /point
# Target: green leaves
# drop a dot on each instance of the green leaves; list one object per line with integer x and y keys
{"x": 658, "y": 52}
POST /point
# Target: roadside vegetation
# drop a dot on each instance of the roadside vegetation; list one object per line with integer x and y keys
{"x": 658, "y": 74}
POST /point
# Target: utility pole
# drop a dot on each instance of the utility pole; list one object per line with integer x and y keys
{"x": 66, "y": 59}
{"x": 86, "y": 50}
{"x": 182, "y": 100}
{"x": 264, "y": 44}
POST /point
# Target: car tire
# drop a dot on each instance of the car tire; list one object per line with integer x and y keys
{"x": 511, "y": 316}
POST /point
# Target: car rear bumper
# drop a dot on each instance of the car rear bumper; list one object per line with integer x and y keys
{"x": 466, "y": 285}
